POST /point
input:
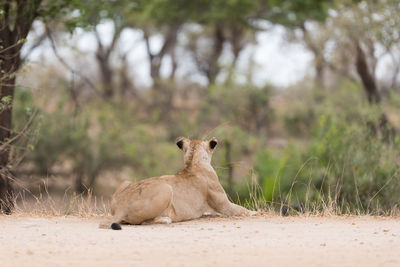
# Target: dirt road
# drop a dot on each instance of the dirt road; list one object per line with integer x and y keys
{"x": 255, "y": 241}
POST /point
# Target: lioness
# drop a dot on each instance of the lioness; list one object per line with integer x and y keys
{"x": 194, "y": 191}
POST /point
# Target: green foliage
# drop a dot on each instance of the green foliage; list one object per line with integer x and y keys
{"x": 87, "y": 143}
{"x": 277, "y": 170}
{"x": 294, "y": 13}
{"x": 336, "y": 155}
{"x": 119, "y": 135}
{"x": 90, "y": 13}
{"x": 5, "y": 103}
{"x": 200, "y": 11}
{"x": 246, "y": 106}
{"x": 345, "y": 162}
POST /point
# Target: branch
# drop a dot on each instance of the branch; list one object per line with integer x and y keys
{"x": 38, "y": 42}
{"x": 17, "y": 136}
{"x": 26, "y": 14}
{"x": 97, "y": 35}
{"x": 65, "y": 64}
{"x": 147, "y": 41}
{"x": 117, "y": 34}
{"x": 170, "y": 40}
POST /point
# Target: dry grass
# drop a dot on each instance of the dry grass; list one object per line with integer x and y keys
{"x": 44, "y": 203}
{"x": 328, "y": 205}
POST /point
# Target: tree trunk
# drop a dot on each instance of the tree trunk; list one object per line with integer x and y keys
{"x": 162, "y": 93}
{"x": 174, "y": 65}
{"x": 319, "y": 70}
{"x": 7, "y": 87}
{"x": 106, "y": 75}
{"x": 229, "y": 166}
{"x": 237, "y": 44}
{"x": 15, "y": 23}
{"x": 319, "y": 62}
{"x": 126, "y": 85}
{"x": 232, "y": 68}
{"x": 213, "y": 66}
{"x": 6, "y": 188}
{"x": 368, "y": 80}
{"x": 103, "y": 55}
{"x": 8, "y": 66}
{"x": 371, "y": 89}
{"x": 170, "y": 39}
{"x": 80, "y": 187}
{"x": 155, "y": 66}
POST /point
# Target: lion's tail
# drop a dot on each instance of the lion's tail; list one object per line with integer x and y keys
{"x": 106, "y": 225}
{"x": 116, "y": 226}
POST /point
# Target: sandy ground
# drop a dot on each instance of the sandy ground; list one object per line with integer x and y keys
{"x": 255, "y": 241}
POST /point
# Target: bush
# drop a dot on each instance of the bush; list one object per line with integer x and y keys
{"x": 346, "y": 166}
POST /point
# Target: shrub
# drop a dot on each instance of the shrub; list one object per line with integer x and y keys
{"x": 346, "y": 166}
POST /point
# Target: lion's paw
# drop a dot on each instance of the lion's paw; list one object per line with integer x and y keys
{"x": 162, "y": 220}
{"x": 253, "y": 213}
{"x": 165, "y": 220}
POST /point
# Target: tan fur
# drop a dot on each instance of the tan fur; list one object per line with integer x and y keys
{"x": 193, "y": 191}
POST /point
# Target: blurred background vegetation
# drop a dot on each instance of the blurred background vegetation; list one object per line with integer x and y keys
{"x": 327, "y": 143}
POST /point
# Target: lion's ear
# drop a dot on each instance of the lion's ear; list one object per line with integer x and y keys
{"x": 180, "y": 142}
{"x": 213, "y": 143}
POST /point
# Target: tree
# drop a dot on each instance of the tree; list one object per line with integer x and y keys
{"x": 16, "y": 19}
{"x": 369, "y": 26}
{"x": 296, "y": 15}
{"x": 373, "y": 26}
{"x": 163, "y": 18}
{"x": 362, "y": 27}
{"x": 223, "y": 22}
{"x": 91, "y": 15}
